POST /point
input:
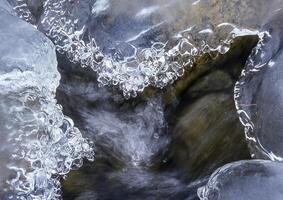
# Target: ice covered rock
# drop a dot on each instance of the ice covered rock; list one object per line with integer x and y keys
{"x": 258, "y": 93}
{"x": 38, "y": 143}
{"x": 4, "y": 5}
{"x": 245, "y": 180}
{"x": 138, "y": 44}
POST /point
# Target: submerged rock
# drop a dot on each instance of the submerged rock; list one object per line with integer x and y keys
{"x": 207, "y": 135}
{"x": 245, "y": 180}
{"x": 206, "y": 132}
{"x": 214, "y": 82}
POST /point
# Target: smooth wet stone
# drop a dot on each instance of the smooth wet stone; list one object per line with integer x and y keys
{"x": 24, "y": 49}
{"x": 245, "y": 180}
{"x": 207, "y": 134}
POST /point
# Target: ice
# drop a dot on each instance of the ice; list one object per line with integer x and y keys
{"x": 24, "y": 49}
{"x": 258, "y": 94}
{"x": 38, "y": 144}
{"x": 4, "y": 5}
{"x": 138, "y": 44}
{"x": 245, "y": 180}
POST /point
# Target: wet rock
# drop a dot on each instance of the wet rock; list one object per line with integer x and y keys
{"x": 207, "y": 134}
{"x": 213, "y": 82}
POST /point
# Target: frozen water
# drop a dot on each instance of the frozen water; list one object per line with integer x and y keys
{"x": 245, "y": 180}
{"x": 131, "y": 44}
{"x": 137, "y": 44}
{"x": 258, "y": 94}
{"x": 4, "y": 5}
{"x": 38, "y": 143}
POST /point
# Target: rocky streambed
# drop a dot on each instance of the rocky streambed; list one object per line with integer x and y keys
{"x": 159, "y": 99}
{"x": 196, "y": 130}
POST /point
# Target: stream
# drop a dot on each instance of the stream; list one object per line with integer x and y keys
{"x": 141, "y": 100}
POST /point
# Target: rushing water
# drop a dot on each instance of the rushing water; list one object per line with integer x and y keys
{"x": 108, "y": 52}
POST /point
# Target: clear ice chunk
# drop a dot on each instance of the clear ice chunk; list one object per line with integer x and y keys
{"x": 245, "y": 180}
{"x": 258, "y": 93}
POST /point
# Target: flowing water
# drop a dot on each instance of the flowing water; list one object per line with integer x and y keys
{"x": 109, "y": 53}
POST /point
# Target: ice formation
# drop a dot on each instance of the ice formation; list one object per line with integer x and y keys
{"x": 38, "y": 144}
{"x": 149, "y": 44}
{"x": 258, "y": 93}
{"x": 245, "y": 180}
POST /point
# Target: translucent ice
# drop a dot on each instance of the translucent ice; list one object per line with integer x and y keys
{"x": 245, "y": 180}
{"x": 258, "y": 94}
{"x": 38, "y": 143}
{"x": 4, "y": 5}
{"x": 141, "y": 43}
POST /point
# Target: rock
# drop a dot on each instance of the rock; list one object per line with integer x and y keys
{"x": 121, "y": 32}
{"x": 213, "y": 82}
{"x": 207, "y": 134}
